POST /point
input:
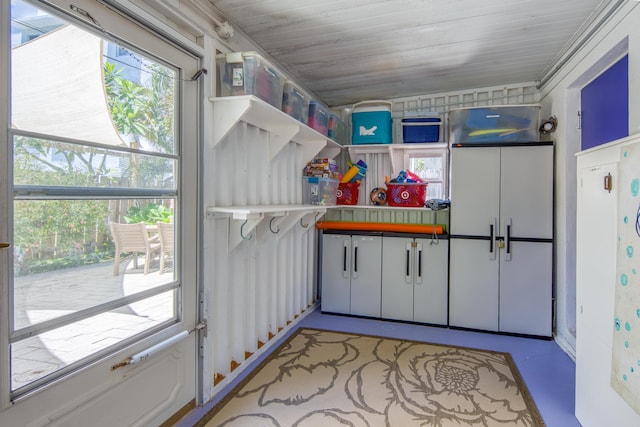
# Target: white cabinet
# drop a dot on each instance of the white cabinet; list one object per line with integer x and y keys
{"x": 351, "y": 274}
{"x": 502, "y": 238}
{"x": 414, "y": 279}
{"x": 597, "y": 403}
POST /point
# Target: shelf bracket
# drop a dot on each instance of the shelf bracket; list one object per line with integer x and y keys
{"x": 305, "y": 219}
{"x": 240, "y": 229}
{"x": 227, "y": 116}
{"x": 311, "y": 148}
{"x": 280, "y": 137}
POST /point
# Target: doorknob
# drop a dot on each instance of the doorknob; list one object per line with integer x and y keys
{"x": 4, "y": 245}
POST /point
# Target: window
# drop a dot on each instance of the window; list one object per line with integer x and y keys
{"x": 431, "y": 166}
{"x": 95, "y": 141}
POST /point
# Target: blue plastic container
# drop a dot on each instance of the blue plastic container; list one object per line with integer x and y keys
{"x": 421, "y": 129}
{"x": 371, "y": 123}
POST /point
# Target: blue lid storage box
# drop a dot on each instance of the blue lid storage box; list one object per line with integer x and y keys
{"x": 421, "y": 129}
{"x": 319, "y": 191}
{"x": 318, "y": 117}
{"x": 247, "y": 73}
{"x": 337, "y": 130}
{"x": 295, "y": 102}
{"x": 496, "y": 124}
{"x": 371, "y": 123}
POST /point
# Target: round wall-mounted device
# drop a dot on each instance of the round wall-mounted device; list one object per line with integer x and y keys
{"x": 549, "y": 125}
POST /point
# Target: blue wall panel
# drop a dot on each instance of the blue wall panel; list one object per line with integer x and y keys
{"x": 605, "y": 106}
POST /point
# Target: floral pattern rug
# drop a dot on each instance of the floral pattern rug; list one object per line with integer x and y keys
{"x": 323, "y": 378}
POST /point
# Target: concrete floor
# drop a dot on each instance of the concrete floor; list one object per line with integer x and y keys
{"x": 44, "y": 296}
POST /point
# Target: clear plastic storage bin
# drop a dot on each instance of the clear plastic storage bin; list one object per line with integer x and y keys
{"x": 319, "y": 191}
{"x": 295, "y": 102}
{"x": 496, "y": 124}
{"x": 337, "y": 130}
{"x": 247, "y": 73}
{"x": 318, "y": 117}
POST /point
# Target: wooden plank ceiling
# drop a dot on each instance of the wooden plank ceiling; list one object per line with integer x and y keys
{"x": 346, "y": 51}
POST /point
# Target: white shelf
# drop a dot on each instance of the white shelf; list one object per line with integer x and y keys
{"x": 244, "y": 219}
{"x": 283, "y": 128}
{"x": 381, "y": 207}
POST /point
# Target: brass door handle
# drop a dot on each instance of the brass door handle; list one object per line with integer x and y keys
{"x": 4, "y": 245}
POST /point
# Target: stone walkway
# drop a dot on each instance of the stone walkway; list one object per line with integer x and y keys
{"x": 45, "y": 296}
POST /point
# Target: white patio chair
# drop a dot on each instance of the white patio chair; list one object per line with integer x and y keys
{"x": 166, "y": 234}
{"x": 133, "y": 238}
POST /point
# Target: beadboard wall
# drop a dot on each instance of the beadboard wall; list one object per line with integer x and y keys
{"x": 257, "y": 290}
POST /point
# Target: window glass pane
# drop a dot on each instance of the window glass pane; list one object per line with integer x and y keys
{"x": 42, "y": 162}
{"x": 64, "y": 254}
{"x": 427, "y": 167}
{"x": 95, "y": 175}
{"x": 431, "y": 169}
{"x": 70, "y": 83}
{"x": 38, "y": 356}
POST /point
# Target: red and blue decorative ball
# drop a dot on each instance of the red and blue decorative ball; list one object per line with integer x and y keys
{"x": 378, "y": 196}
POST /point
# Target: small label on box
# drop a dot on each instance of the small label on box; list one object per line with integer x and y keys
{"x": 238, "y": 77}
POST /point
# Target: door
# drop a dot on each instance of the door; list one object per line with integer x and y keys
{"x": 475, "y": 211}
{"x": 398, "y": 262}
{"x": 473, "y": 281}
{"x": 475, "y": 190}
{"x": 430, "y": 301}
{"x": 103, "y": 129}
{"x": 526, "y": 192}
{"x": 336, "y": 273}
{"x": 525, "y": 289}
{"x": 365, "y": 275}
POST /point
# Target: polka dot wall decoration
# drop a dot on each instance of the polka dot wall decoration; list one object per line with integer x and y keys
{"x": 625, "y": 378}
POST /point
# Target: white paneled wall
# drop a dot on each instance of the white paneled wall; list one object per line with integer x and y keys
{"x": 256, "y": 289}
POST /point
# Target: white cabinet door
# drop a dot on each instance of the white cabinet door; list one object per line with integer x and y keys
{"x": 526, "y": 191}
{"x": 525, "y": 289}
{"x": 596, "y": 230}
{"x": 397, "y": 278}
{"x": 475, "y": 190}
{"x": 414, "y": 279}
{"x": 473, "y": 285}
{"x": 430, "y": 295}
{"x": 336, "y": 273}
{"x": 366, "y": 253}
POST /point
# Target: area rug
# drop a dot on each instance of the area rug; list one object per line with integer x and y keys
{"x": 324, "y": 378}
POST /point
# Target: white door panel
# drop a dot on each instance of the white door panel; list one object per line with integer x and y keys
{"x": 525, "y": 289}
{"x": 365, "y": 275}
{"x": 148, "y": 392}
{"x": 526, "y": 191}
{"x": 397, "y": 278}
{"x": 475, "y": 190}
{"x": 430, "y": 299}
{"x": 336, "y": 273}
{"x": 473, "y": 285}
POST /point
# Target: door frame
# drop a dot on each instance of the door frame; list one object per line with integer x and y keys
{"x": 71, "y": 399}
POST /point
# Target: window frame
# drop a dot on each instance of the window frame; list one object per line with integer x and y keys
{"x": 186, "y": 224}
